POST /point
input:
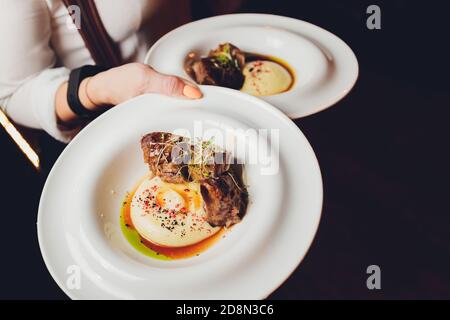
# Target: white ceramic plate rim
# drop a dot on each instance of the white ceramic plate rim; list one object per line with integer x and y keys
{"x": 293, "y": 263}
{"x": 332, "y": 46}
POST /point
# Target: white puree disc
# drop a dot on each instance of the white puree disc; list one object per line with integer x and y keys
{"x": 170, "y": 214}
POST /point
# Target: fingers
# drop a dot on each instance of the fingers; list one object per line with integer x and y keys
{"x": 191, "y": 91}
{"x": 172, "y": 86}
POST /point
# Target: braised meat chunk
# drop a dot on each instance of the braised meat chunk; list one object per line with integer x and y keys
{"x": 175, "y": 160}
{"x": 222, "y": 67}
{"x": 165, "y": 155}
{"x": 225, "y": 200}
{"x": 207, "y": 161}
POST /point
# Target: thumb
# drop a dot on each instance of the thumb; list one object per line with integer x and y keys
{"x": 172, "y": 86}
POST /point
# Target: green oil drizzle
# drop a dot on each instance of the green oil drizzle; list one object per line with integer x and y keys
{"x": 134, "y": 238}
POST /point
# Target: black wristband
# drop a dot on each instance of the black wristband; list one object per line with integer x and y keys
{"x": 75, "y": 78}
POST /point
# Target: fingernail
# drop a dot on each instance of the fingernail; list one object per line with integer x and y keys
{"x": 192, "y": 92}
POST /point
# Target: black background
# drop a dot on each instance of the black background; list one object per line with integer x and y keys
{"x": 383, "y": 152}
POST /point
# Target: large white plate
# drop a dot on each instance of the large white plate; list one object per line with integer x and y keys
{"x": 78, "y": 220}
{"x": 326, "y": 68}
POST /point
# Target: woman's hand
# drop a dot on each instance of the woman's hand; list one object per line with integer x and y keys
{"x": 130, "y": 80}
{"x": 120, "y": 84}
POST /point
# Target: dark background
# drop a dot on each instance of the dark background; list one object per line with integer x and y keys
{"x": 383, "y": 151}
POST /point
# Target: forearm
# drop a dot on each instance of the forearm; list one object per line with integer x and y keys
{"x": 120, "y": 84}
{"x": 32, "y": 104}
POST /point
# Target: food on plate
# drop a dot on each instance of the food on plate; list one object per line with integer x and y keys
{"x": 230, "y": 67}
{"x": 158, "y": 149}
{"x": 265, "y": 78}
{"x": 170, "y": 215}
{"x": 191, "y": 195}
{"x": 169, "y": 157}
{"x": 222, "y": 67}
{"x": 223, "y": 200}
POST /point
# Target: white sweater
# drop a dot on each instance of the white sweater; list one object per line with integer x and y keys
{"x": 40, "y": 45}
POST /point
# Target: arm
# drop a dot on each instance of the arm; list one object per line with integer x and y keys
{"x": 27, "y": 81}
{"x": 108, "y": 88}
{"x": 33, "y": 92}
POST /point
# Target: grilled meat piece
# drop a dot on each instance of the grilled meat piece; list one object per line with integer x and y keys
{"x": 165, "y": 155}
{"x": 222, "y": 67}
{"x": 175, "y": 160}
{"x": 229, "y": 53}
{"x": 225, "y": 201}
{"x": 208, "y": 162}
{"x": 207, "y": 71}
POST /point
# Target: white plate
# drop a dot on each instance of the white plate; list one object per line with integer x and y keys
{"x": 326, "y": 68}
{"x": 78, "y": 220}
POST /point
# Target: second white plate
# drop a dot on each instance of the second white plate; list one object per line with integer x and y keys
{"x": 325, "y": 67}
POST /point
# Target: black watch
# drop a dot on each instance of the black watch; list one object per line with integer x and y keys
{"x": 75, "y": 78}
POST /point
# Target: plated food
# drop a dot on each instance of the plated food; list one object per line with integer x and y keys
{"x": 228, "y": 66}
{"x": 191, "y": 195}
{"x": 294, "y": 65}
{"x": 79, "y": 226}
